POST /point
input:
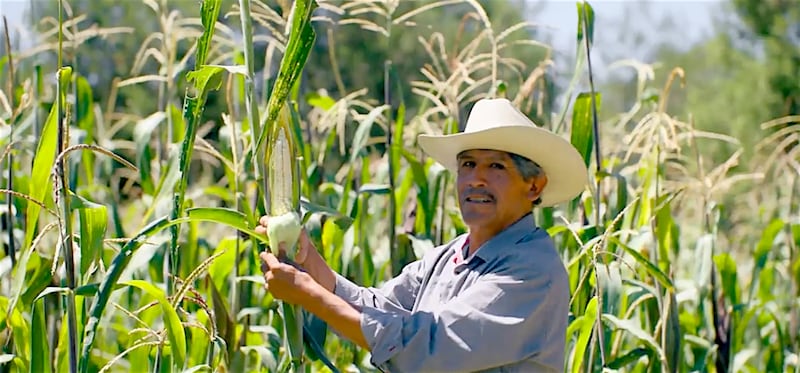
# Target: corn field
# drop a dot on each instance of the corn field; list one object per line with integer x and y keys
{"x": 129, "y": 240}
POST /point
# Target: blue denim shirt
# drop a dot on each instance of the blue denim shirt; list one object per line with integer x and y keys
{"x": 504, "y": 309}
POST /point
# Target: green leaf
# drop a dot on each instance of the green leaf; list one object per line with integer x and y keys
{"x": 39, "y": 187}
{"x": 301, "y": 41}
{"x": 199, "y": 368}
{"x": 222, "y": 317}
{"x": 175, "y": 332}
{"x": 229, "y": 217}
{"x": 610, "y": 280}
{"x": 84, "y": 113}
{"x": 727, "y": 270}
{"x": 109, "y": 282}
{"x": 205, "y": 79}
{"x": 142, "y": 132}
{"x": 293, "y": 332}
{"x": 323, "y": 102}
{"x": 307, "y": 208}
{"x": 633, "y": 328}
{"x": 232, "y": 69}
{"x": 585, "y": 11}
{"x": 88, "y": 290}
{"x": 314, "y": 332}
{"x": 665, "y": 231}
{"x": 40, "y": 363}
{"x": 630, "y": 357}
{"x": 20, "y": 330}
{"x": 362, "y": 133}
{"x": 209, "y": 12}
{"x": 649, "y": 267}
{"x": 582, "y": 125}
{"x": 766, "y": 243}
{"x": 379, "y": 189}
{"x": 584, "y": 325}
{"x": 672, "y": 338}
{"x": 93, "y": 219}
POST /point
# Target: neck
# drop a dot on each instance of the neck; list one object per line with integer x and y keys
{"x": 480, "y": 234}
{"x": 477, "y": 239}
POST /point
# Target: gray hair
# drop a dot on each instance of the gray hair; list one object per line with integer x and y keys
{"x": 528, "y": 169}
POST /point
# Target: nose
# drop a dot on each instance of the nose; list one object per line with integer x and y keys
{"x": 476, "y": 178}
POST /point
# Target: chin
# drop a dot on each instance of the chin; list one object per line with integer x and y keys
{"x": 476, "y": 219}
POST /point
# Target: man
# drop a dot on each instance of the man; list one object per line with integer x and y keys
{"x": 494, "y": 299}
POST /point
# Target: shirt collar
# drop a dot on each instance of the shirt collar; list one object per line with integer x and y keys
{"x": 495, "y": 245}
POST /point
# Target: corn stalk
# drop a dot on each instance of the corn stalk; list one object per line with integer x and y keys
{"x": 282, "y": 194}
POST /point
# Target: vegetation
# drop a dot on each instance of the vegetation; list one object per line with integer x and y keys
{"x": 128, "y": 215}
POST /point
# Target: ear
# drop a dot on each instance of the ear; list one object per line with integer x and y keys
{"x": 537, "y": 185}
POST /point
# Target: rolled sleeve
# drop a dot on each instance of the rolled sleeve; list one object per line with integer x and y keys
{"x": 348, "y": 291}
{"x": 529, "y": 316}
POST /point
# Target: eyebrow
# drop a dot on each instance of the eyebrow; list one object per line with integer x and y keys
{"x": 492, "y": 158}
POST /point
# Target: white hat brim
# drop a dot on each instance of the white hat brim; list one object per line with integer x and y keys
{"x": 567, "y": 175}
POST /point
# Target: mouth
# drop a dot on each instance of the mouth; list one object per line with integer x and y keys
{"x": 480, "y": 199}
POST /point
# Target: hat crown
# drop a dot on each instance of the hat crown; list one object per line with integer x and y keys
{"x": 495, "y": 112}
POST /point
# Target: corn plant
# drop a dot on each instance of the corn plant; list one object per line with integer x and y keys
{"x": 130, "y": 242}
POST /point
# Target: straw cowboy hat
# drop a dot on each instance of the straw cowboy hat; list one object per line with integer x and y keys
{"x": 495, "y": 124}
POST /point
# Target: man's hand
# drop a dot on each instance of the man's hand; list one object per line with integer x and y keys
{"x": 284, "y": 281}
{"x": 304, "y": 244}
{"x": 294, "y": 286}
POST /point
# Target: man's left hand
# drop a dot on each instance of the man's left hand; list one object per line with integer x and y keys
{"x": 284, "y": 281}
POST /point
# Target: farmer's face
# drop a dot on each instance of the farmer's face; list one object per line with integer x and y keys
{"x": 491, "y": 191}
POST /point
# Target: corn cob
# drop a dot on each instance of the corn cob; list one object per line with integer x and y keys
{"x": 284, "y": 223}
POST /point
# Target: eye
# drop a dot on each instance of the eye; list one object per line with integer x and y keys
{"x": 468, "y": 164}
{"x": 498, "y": 166}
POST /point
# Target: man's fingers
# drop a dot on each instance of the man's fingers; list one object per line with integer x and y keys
{"x": 263, "y": 221}
{"x": 269, "y": 259}
{"x": 264, "y": 267}
{"x": 260, "y": 229}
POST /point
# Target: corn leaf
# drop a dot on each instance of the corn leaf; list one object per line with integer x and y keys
{"x": 671, "y": 335}
{"x": 635, "y": 330}
{"x": 585, "y": 11}
{"x": 109, "y": 282}
{"x": 84, "y": 114}
{"x": 582, "y": 133}
{"x": 727, "y": 270}
{"x": 362, "y": 133}
{"x": 39, "y": 343}
{"x": 628, "y": 358}
{"x": 93, "y": 219}
{"x": 229, "y": 217}
{"x": 175, "y": 332}
{"x": 144, "y": 153}
{"x": 308, "y": 208}
{"x": 20, "y": 330}
{"x": 649, "y": 267}
{"x": 301, "y": 41}
{"x": 39, "y": 187}
{"x": 584, "y": 325}
{"x": 209, "y": 12}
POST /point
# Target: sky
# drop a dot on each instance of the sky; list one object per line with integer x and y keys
{"x": 624, "y": 29}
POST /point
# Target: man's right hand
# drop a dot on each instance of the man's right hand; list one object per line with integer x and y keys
{"x": 306, "y": 256}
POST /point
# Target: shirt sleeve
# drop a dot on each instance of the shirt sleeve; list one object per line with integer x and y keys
{"x": 395, "y": 295}
{"x": 497, "y": 321}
